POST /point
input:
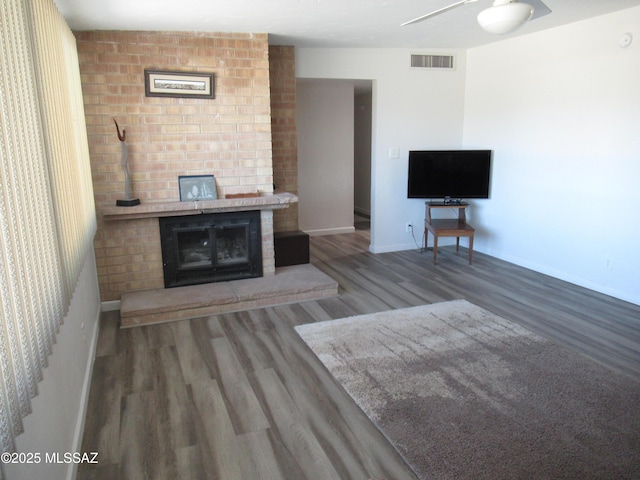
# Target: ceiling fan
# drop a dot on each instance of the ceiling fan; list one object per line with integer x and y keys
{"x": 504, "y": 16}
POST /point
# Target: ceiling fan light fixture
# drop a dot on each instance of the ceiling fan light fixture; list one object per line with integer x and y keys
{"x": 504, "y": 18}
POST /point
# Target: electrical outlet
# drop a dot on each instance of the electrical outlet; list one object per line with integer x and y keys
{"x": 408, "y": 227}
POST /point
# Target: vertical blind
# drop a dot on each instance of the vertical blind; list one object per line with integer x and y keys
{"x": 47, "y": 211}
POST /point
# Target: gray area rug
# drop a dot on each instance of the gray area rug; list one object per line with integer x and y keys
{"x": 465, "y": 394}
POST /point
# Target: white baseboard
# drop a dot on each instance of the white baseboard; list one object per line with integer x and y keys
{"x": 565, "y": 276}
{"x": 84, "y": 397}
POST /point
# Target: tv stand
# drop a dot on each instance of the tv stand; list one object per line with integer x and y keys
{"x": 447, "y": 227}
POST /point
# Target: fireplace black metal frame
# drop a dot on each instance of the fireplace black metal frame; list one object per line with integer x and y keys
{"x": 219, "y": 247}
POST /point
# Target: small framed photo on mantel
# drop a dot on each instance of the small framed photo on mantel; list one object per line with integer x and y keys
{"x": 162, "y": 83}
{"x": 194, "y": 188}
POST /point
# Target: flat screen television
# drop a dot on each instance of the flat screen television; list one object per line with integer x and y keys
{"x": 454, "y": 174}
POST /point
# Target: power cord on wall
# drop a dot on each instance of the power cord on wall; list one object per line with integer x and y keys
{"x": 420, "y": 247}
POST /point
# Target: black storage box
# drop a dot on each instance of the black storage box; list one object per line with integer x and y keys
{"x": 291, "y": 248}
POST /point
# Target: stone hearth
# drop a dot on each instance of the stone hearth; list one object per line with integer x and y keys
{"x": 289, "y": 285}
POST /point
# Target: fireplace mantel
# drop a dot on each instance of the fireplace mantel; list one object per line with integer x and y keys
{"x": 170, "y": 209}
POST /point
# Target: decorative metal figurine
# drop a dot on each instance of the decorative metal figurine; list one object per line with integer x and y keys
{"x": 124, "y": 162}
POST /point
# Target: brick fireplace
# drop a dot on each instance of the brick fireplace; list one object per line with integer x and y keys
{"x": 159, "y": 304}
{"x": 229, "y": 136}
{"x": 148, "y": 216}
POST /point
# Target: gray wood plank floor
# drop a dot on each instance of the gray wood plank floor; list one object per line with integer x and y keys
{"x": 240, "y": 396}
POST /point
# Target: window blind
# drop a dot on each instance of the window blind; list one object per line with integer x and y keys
{"x": 47, "y": 211}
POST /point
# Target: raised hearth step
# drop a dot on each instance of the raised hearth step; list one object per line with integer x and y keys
{"x": 289, "y": 285}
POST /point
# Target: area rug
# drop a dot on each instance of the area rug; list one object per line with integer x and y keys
{"x": 465, "y": 394}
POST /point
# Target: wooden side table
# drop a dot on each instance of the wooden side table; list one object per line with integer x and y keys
{"x": 447, "y": 227}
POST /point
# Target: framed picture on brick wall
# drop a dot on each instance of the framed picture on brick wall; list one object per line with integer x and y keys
{"x": 162, "y": 83}
{"x": 197, "y": 187}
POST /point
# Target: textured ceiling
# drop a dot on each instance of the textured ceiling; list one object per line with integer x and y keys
{"x": 322, "y": 23}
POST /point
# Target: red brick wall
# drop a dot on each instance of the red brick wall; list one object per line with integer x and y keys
{"x": 282, "y": 70}
{"x": 229, "y": 136}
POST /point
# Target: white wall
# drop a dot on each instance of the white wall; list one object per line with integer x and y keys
{"x": 57, "y": 421}
{"x": 412, "y": 108}
{"x": 324, "y": 124}
{"x": 561, "y": 110}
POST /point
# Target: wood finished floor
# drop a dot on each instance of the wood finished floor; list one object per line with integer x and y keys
{"x": 239, "y": 396}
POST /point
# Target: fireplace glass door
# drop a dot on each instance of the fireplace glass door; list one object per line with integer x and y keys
{"x": 232, "y": 244}
{"x": 211, "y": 248}
{"x": 194, "y": 248}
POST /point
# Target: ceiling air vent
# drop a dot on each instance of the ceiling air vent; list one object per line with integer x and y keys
{"x": 432, "y": 61}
